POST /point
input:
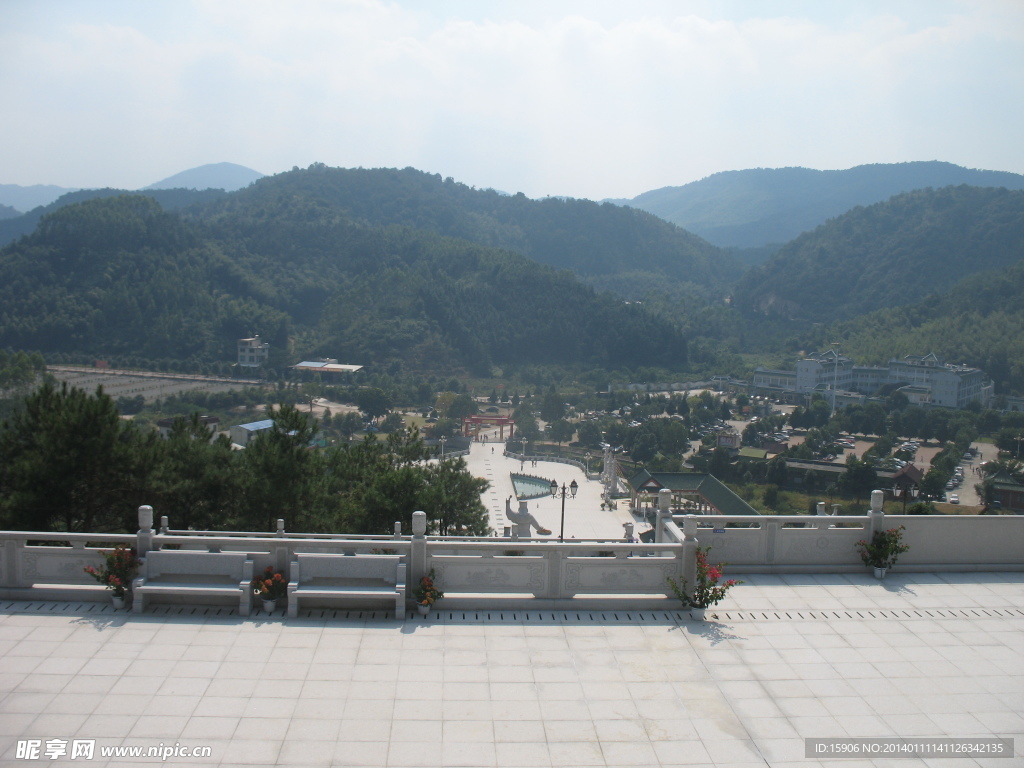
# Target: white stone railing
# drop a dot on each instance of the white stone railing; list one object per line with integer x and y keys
{"x": 29, "y": 560}
{"x": 495, "y": 572}
{"x": 552, "y": 571}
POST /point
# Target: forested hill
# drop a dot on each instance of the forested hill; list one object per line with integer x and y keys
{"x": 628, "y": 248}
{"x": 121, "y": 276}
{"x": 171, "y": 199}
{"x": 760, "y": 206}
{"x": 889, "y": 254}
{"x": 980, "y": 322}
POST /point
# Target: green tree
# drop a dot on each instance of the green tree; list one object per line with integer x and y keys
{"x": 552, "y": 407}
{"x": 283, "y": 477}
{"x": 196, "y": 480}
{"x": 644, "y": 447}
{"x": 588, "y": 434}
{"x": 373, "y": 402}
{"x": 69, "y": 462}
{"x": 450, "y": 497}
{"x": 462, "y": 406}
{"x": 859, "y": 479}
{"x": 562, "y": 431}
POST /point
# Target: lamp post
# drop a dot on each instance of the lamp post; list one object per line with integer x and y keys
{"x": 1018, "y": 438}
{"x": 835, "y": 378}
{"x": 563, "y": 492}
{"x": 912, "y": 492}
{"x": 588, "y": 457}
{"x": 522, "y": 461}
{"x": 442, "y": 440}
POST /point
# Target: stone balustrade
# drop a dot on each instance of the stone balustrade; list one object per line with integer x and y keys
{"x": 496, "y": 572}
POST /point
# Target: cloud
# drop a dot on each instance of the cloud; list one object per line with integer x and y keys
{"x": 598, "y": 100}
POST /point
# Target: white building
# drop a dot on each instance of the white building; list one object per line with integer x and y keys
{"x": 927, "y": 379}
{"x": 952, "y": 386}
{"x": 252, "y": 353}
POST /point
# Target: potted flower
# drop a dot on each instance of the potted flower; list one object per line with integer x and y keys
{"x": 270, "y": 586}
{"x": 709, "y": 589}
{"x": 121, "y": 567}
{"x": 426, "y": 594}
{"x": 884, "y": 549}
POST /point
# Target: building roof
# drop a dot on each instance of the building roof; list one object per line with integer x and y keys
{"x": 713, "y": 491}
{"x": 321, "y": 367}
{"x": 1004, "y": 481}
{"x": 256, "y": 426}
{"x": 749, "y": 452}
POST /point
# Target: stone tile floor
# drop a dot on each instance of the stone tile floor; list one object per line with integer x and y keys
{"x": 789, "y": 657}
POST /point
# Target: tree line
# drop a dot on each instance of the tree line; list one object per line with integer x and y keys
{"x": 69, "y": 462}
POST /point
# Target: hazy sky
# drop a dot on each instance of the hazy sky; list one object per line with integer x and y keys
{"x": 589, "y": 99}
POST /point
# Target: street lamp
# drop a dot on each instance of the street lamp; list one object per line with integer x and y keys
{"x": 912, "y": 492}
{"x": 588, "y": 457}
{"x": 442, "y": 440}
{"x": 522, "y": 460}
{"x": 563, "y": 492}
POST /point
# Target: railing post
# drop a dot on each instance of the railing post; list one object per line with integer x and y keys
{"x": 281, "y": 562}
{"x": 771, "y": 532}
{"x": 144, "y": 542}
{"x": 876, "y": 516}
{"x": 690, "y": 551}
{"x": 398, "y": 529}
{"x": 164, "y": 524}
{"x": 418, "y": 555}
{"x": 664, "y": 513}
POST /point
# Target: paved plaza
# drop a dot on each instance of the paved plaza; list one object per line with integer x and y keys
{"x": 788, "y": 658}
{"x": 584, "y": 518}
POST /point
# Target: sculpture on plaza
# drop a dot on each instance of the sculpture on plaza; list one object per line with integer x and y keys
{"x": 524, "y": 519}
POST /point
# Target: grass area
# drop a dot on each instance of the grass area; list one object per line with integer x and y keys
{"x": 797, "y": 503}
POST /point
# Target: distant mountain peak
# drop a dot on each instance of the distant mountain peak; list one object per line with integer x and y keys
{"x": 226, "y": 176}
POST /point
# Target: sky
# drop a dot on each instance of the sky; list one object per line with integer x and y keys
{"x": 587, "y": 99}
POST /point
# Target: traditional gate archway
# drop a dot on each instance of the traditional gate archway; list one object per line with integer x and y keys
{"x": 500, "y": 421}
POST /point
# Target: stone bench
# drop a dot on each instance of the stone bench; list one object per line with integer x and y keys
{"x": 337, "y": 576}
{"x": 181, "y": 573}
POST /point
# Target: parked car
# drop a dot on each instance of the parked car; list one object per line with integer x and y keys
{"x": 954, "y": 498}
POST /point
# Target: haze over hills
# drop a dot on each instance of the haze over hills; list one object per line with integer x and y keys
{"x": 889, "y": 254}
{"x": 170, "y": 199}
{"x": 118, "y": 276}
{"x": 626, "y": 248}
{"x": 23, "y": 199}
{"x": 402, "y": 267}
{"x": 226, "y": 176}
{"x": 764, "y": 206}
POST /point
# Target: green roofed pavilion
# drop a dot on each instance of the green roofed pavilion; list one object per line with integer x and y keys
{"x": 697, "y": 492}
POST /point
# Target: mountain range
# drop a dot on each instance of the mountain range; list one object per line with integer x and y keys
{"x": 120, "y": 277}
{"x": 409, "y": 269}
{"x": 769, "y": 206}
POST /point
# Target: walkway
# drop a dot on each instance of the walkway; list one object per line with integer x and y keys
{"x": 789, "y": 658}
{"x": 584, "y": 517}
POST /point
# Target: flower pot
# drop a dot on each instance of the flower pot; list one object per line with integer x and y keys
{"x": 269, "y": 606}
{"x": 119, "y": 602}
{"x": 697, "y": 614}
{"x": 880, "y": 573}
{"x": 423, "y": 609}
